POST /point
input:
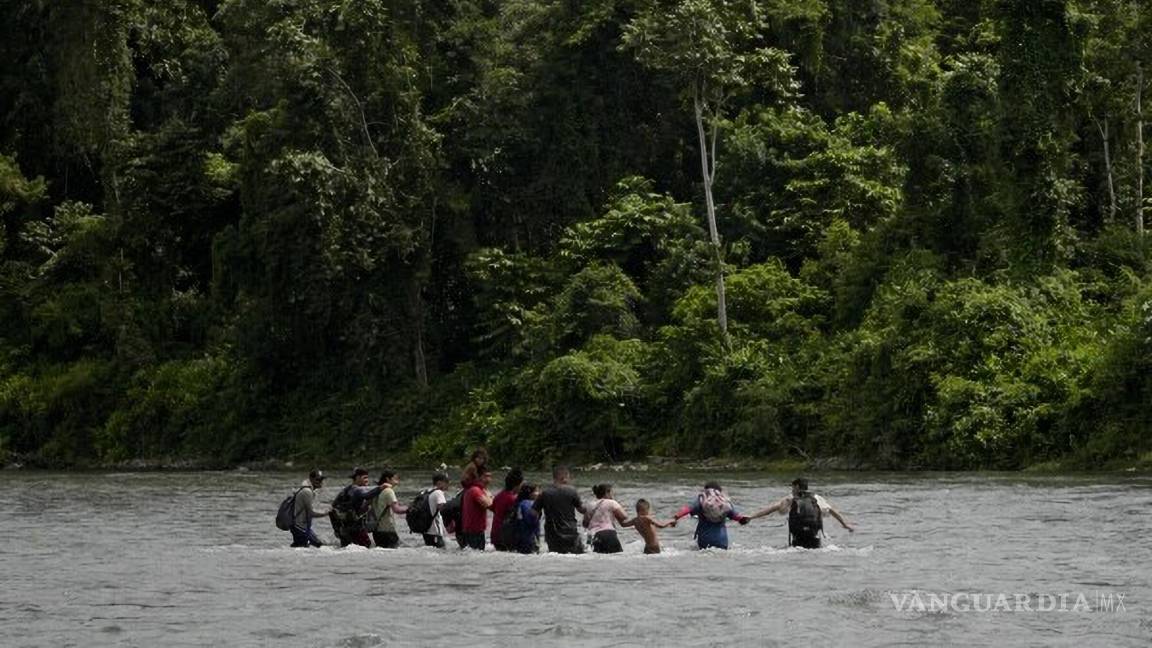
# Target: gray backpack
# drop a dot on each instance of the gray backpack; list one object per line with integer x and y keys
{"x": 286, "y": 514}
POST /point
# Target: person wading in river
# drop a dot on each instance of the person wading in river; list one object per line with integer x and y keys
{"x": 560, "y": 502}
{"x": 349, "y": 509}
{"x": 601, "y": 518}
{"x": 646, "y": 526}
{"x": 504, "y": 501}
{"x": 304, "y": 508}
{"x": 713, "y": 509}
{"x": 434, "y": 536}
{"x": 524, "y": 522}
{"x": 384, "y": 509}
{"x": 474, "y": 518}
{"x": 806, "y": 512}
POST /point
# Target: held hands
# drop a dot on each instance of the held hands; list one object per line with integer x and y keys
{"x": 743, "y": 520}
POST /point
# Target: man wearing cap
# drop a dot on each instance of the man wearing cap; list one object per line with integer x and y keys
{"x": 305, "y": 510}
{"x": 350, "y": 507}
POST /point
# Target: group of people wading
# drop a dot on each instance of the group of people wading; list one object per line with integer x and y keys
{"x": 366, "y": 514}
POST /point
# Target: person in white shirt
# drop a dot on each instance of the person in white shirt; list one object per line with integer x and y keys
{"x": 805, "y": 511}
{"x": 434, "y": 537}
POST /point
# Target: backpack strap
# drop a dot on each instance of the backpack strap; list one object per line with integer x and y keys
{"x": 294, "y": 495}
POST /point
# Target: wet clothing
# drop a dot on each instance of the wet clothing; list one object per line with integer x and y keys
{"x": 433, "y": 541}
{"x": 805, "y": 525}
{"x": 475, "y": 514}
{"x": 436, "y": 499}
{"x": 304, "y": 509}
{"x": 804, "y": 543}
{"x": 602, "y": 516}
{"x": 709, "y": 534}
{"x": 559, "y": 505}
{"x": 501, "y": 504}
{"x": 472, "y": 540}
{"x": 606, "y": 541}
{"x": 386, "y": 539}
{"x": 305, "y": 506}
{"x": 602, "y": 526}
{"x": 304, "y": 537}
{"x": 564, "y": 545}
{"x": 382, "y": 517}
{"x": 355, "y": 532}
{"x": 527, "y": 528}
{"x": 785, "y": 506}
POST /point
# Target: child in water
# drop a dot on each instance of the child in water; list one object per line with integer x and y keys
{"x": 646, "y": 526}
{"x": 524, "y": 522}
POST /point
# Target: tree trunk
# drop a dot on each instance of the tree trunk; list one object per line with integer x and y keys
{"x": 416, "y": 301}
{"x": 707, "y": 168}
{"x": 1108, "y": 170}
{"x": 1139, "y": 151}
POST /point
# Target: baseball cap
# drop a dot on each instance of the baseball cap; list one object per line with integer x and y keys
{"x": 317, "y": 475}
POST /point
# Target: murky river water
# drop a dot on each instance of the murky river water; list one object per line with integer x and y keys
{"x": 193, "y": 559}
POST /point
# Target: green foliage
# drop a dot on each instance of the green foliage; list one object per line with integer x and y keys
{"x": 57, "y": 413}
{"x": 600, "y": 299}
{"x": 792, "y": 176}
{"x": 508, "y": 287}
{"x": 716, "y": 47}
{"x": 984, "y": 370}
{"x": 174, "y": 407}
{"x": 593, "y": 397}
{"x": 1110, "y": 416}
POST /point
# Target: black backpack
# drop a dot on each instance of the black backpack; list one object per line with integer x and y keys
{"x": 345, "y": 516}
{"x": 510, "y": 529}
{"x": 420, "y": 515}
{"x": 805, "y": 521}
{"x": 453, "y": 510}
{"x": 286, "y": 514}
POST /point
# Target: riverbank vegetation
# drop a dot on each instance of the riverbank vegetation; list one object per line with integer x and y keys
{"x": 909, "y": 233}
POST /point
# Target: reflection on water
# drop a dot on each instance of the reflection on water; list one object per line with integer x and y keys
{"x": 194, "y": 559}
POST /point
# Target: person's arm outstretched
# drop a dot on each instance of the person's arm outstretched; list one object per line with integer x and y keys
{"x": 733, "y": 514}
{"x": 839, "y": 518}
{"x": 618, "y": 513}
{"x": 778, "y": 507}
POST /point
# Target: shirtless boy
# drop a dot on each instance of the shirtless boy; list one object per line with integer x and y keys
{"x": 646, "y": 526}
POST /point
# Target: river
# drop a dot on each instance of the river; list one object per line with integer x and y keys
{"x": 193, "y": 559}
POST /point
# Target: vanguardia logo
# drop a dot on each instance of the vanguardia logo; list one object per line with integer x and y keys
{"x": 1071, "y": 602}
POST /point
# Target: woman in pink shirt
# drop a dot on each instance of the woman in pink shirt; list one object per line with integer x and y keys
{"x": 600, "y": 519}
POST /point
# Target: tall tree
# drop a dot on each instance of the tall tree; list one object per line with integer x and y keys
{"x": 1041, "y": 76}
{"x": 715, "y": 50}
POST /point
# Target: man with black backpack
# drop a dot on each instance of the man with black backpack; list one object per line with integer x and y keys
{"x": 423, "y": 514}
{"x": 350, "y": 508}
{"x": 805, "y": 511}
